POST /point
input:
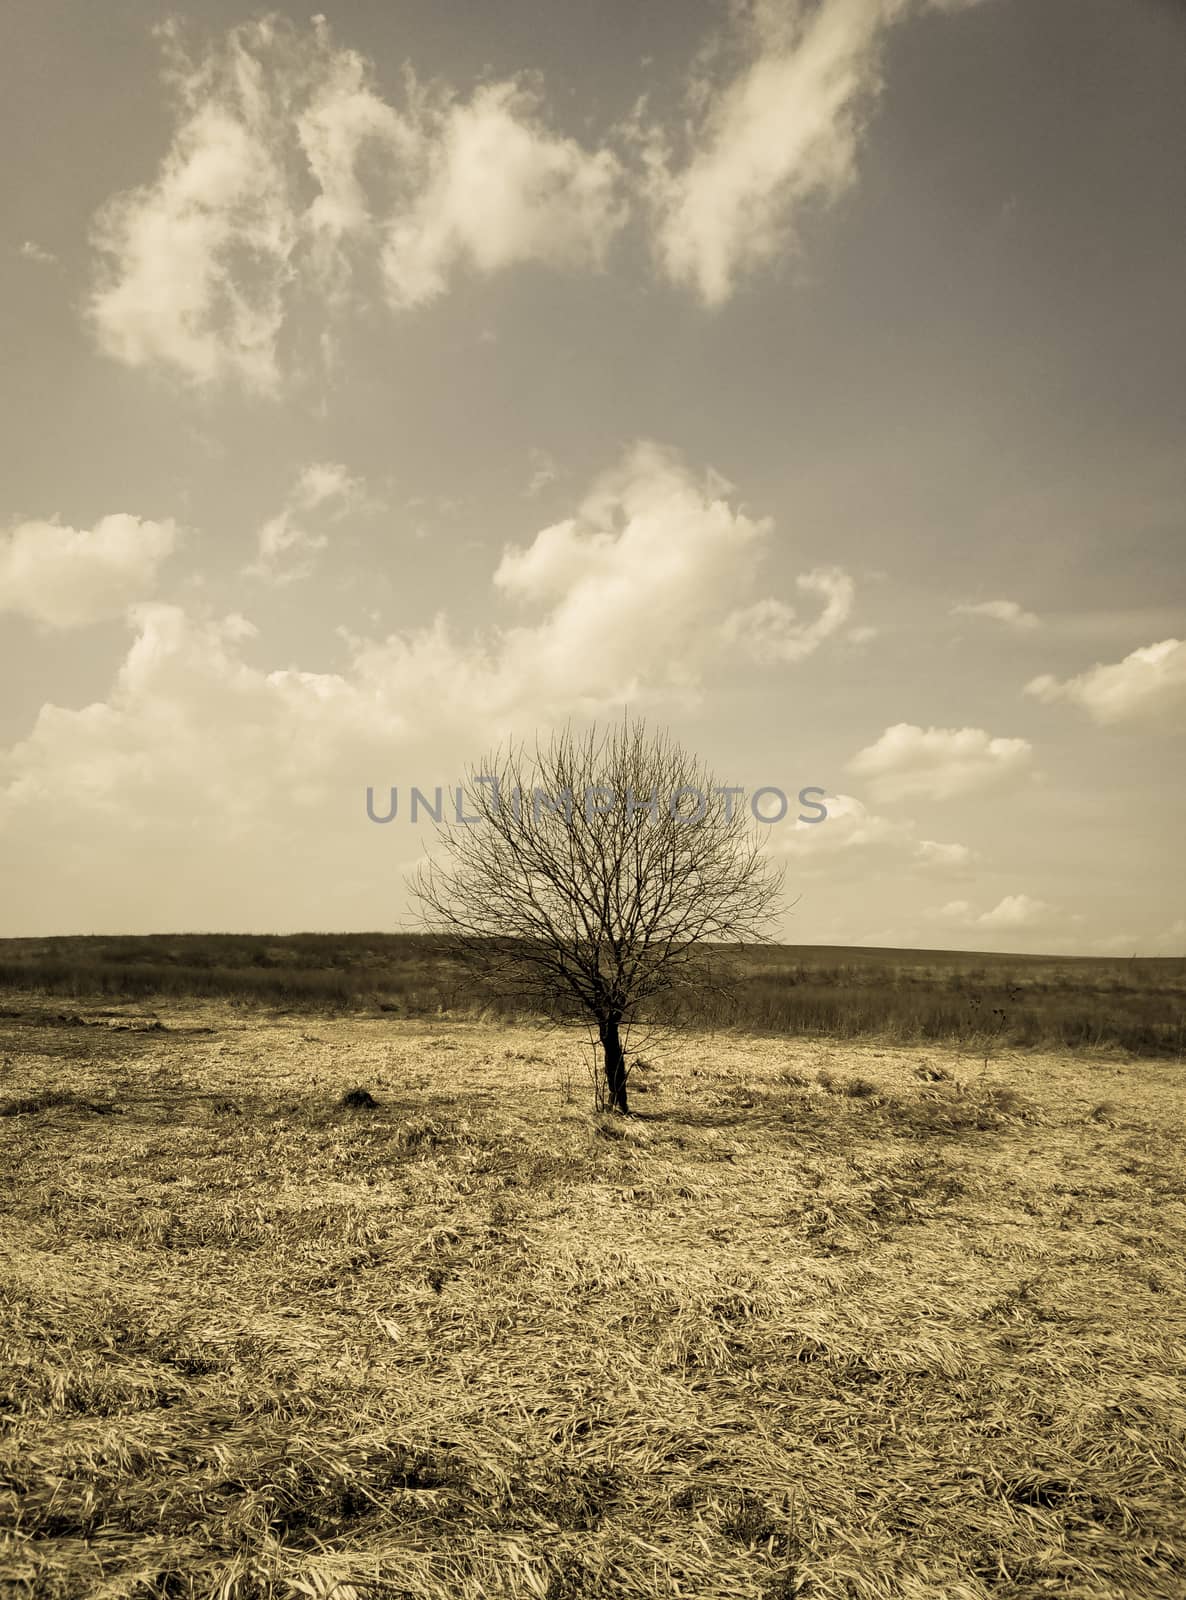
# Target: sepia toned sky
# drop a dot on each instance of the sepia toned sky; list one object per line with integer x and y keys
{"x": 384, "y": 383}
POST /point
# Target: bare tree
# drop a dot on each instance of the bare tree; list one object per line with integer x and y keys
{"x": 593, "y": 877}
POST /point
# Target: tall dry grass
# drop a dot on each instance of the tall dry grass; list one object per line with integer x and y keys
{"x": 896, "y": 995}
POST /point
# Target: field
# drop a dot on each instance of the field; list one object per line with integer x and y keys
{"x": 901, "y": 996}
{"x": 827, "y": 1318}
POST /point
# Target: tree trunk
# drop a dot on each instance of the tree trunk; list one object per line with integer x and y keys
{"x": 615, "y": 1063}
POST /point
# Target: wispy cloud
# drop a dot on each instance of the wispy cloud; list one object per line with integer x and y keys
{"x": 291, "y": 181}
{"x": 30, "y": 250}
{"x": 202, "y": 266}
{"x": 1006, "y": 611}
{"x": 769, "y": 631}
{"x": 778, "y": 131}
{"x": 544, "y": 471}
{"x": 782, "y": 131}
{"x": 286, "y": 548}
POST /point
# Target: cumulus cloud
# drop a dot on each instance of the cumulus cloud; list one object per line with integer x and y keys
{"x": 1149, "y": 686}
{"x": 849, "y": 827}
{"x": 1012, "y": 912}
{"x": 644, "y": 582}
{"x": 939, "y": 763}
{"x": 853, "y": 834}
{"x": 68, "y": 577}
{"x": 622, "y": 602}
{"x": 288, "y": 173}
{"x": 1006, "y": 611}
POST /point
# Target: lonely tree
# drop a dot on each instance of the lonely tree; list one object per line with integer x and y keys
{"x": 592, "y": 876}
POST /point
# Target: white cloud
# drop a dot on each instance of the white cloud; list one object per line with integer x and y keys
{"x": 939, "y": 763}
{"x": 1006, "y": 611}
{"x": 198, "y": 260}
{"x": 344, "y": 119}
{"x": 768, "y": 631}
{"x": 291, "y": 181}
{"x": 929, "y": 853}
{"x": 328, "y": 483}
{"x": 853, "y": 834}
{"x": 67, "y": 577}
{"x": 544, "y": 472}
{"x": 623, "y": 600}
{"x": 278, "y": 539}
{"x": 783, "y": 131}
{"x": 1015, "y": 911}
{"x": 499, "y": 189}
{"x": 325, "y": 489}
{"x": 1169, "y": 941}
{"x": 261, "y": 202}
{"x": 642, "y": 584}
{"x": 849, "y": 827}
{"x": 1149, "y": 685}
{"x": 773, "y": 130}
{"x": 30, "y": 250}
{"x": 1012, "y": 912}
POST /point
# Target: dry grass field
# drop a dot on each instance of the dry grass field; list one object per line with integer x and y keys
{"x": 824, "y": 1319}
{"x": 963, "y": 997}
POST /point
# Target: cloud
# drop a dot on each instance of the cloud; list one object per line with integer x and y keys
{"x": 292, "y": 184}
{"x": 1149, "y": 685}
{"x": 641, "y": 585}
{"x": 929, "y": 853}
{"x": 278, "y": 538}
{"x": 544, "y": 472}
{"x": 499, "y": 190}
{"x": 324, "y": 488}
{"x": 32, "y": 251}
{"x": 849, "y": 827}
{"x": 196, "y": 263}
{"x": 768, "y": 631}
{"x": 67, "y": 577}
{"x": 1006, "y": 611}
{"x": 939, "y": 763}
{"x": 622, "y": 603}
{"x": 784, "y": 130}
{"x": 1012, "y": 912}
{"x": 853, "y": 834}
{"x": 1166, "y": 941}
{"x": 328, "y": 483}
{"x": 288, "y": 176}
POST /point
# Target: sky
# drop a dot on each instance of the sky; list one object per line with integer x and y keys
{"x": 387, "y": 383}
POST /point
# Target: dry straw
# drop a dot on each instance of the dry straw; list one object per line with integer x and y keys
{"x": 829, "y": 1321}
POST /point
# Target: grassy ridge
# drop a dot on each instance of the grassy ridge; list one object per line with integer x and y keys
{"x": 904, "y": 995}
